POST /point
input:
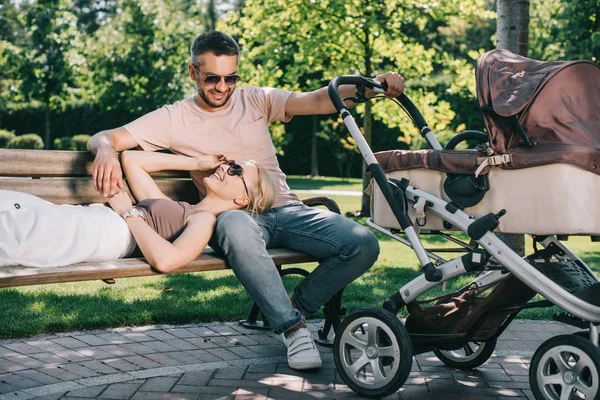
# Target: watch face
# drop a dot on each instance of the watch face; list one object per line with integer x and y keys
{"x": 133, "y": 212}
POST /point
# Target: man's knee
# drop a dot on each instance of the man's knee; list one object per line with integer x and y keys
{"x": 236, "y": 228}
{"x": 364, "y": 246}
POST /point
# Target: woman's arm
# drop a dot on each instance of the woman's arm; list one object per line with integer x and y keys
{"x": 139, "y": 164}
{"x": 165, "y": 256}
{"x": 159, "y": 253}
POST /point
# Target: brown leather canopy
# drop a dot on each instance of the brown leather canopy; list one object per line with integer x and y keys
{"x": 557, "y": 104}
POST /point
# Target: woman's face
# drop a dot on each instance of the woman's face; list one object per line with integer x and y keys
{"x": 231, "y": 186}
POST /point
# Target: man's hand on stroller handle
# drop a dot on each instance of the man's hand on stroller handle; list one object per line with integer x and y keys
{"x": 392, "y": 85}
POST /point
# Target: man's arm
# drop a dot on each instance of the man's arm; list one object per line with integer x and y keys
{"x": 318, "y": 101}
{"x": 106, "y": 173}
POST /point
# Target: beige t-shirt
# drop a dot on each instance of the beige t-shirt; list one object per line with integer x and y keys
{"x": 239, "y": 131}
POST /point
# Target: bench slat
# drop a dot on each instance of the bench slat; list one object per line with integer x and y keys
{"x": 51, "y": 163}
{"x": 125, "y": 268}
{"x": 81, "y": 191}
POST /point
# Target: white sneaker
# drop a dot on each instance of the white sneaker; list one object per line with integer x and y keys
{"x": 302, "y": 352}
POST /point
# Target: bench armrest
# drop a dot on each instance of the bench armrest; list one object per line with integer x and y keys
{"x": 322, "y": 201}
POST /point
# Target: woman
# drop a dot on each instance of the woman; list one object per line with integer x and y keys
{"x": 169, "y": 234}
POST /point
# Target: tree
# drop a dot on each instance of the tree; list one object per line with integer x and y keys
{"x": 137, "y": 62}
{"x": 47, "y": 74}
{"x": 282, "y": 40}
{"x": 512, "y": 33}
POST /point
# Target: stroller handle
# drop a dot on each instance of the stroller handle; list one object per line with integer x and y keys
{"x": 380, "y": 87}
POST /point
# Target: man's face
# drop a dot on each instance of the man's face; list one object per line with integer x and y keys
{"x": 209, "y": 68}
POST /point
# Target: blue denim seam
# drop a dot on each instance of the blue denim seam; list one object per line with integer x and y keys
{"x": 290, "y": 324}
{"x": 317, "y": 237}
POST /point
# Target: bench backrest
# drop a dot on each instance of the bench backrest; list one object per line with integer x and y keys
{"x": 64, "y": 177}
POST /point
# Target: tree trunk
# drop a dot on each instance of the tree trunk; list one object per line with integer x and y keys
{"x": 47, "y": 139}
{"x": 512, "y": 29}
{"x": 211, "y": 13}
{"x": 365, "y": 209}
{"x": 314, "y": 161}
{"x": 512, "y": 33}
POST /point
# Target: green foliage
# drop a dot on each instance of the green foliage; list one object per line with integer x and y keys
{"x": 137, "y": 62}
{"x": 27, "y": 141}
{"x": 97, "y": 65}
{"x": 75, "y": 143}
{"x": 565, "y": 30}
{"x": 5, "y": 137}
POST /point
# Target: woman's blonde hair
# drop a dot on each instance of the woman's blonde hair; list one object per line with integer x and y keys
{"x": 262, "y": 195}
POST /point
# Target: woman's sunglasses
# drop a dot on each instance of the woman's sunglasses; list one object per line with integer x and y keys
{"x": 236, "y": 169}
{"x": 214, "y": 80}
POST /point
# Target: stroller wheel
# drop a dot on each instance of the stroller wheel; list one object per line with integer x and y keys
{"x": 470, "y": 356}
{"x": 566, "y": 367}
{"x": 372, "y": 352}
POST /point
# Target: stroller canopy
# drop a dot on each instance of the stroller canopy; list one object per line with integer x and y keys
{"x": 556, "y": 103}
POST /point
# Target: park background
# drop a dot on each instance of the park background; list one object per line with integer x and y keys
{"x": 70, "y": 68}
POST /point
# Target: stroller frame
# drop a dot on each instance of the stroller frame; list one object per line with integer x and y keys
{"x": 401, "y": 194}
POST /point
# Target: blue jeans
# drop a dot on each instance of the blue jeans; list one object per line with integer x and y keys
{"x": 344, "y": 249}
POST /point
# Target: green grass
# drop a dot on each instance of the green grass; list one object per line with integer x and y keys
{"x": 323, "y": 183}
{"x": 210, "y": 296}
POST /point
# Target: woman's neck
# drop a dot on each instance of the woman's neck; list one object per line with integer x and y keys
{"x": 214, "y": 205}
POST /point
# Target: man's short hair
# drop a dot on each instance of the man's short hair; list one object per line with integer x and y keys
{"x": 219, "y": 43}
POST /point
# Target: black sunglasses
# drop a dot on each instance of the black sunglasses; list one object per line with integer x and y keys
{"x": 213, "y": 80}
{"x": 237, "y": 169}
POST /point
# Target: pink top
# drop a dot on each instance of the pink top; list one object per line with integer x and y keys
{"x": 239, "y": 131}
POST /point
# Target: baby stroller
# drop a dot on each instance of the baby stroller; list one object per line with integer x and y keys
{"x": 537, "y": 173}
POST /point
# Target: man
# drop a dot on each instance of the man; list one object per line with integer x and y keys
{"x": 220, "y": 119}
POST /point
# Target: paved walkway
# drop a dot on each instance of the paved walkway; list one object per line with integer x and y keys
{"x": 226, "y": 361}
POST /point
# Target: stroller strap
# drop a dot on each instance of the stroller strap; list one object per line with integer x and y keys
{"x": 491, "y": 161}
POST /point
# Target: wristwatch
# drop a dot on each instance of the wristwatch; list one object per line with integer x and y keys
{"x": 132, "y": 212}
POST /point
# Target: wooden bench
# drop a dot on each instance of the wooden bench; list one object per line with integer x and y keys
{"x": 64, "y": 177}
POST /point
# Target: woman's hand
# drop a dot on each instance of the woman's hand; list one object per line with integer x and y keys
{"x": 120, "y": 203}
{"x": 210, "y": 163}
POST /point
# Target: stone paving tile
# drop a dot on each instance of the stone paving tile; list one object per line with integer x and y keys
{"x": 166, "y": 396}
{"x": 99, "y": 367}
{"x": 49, "y": 358}
{"x": 180, "y": 344}
{"x": 183, "y": 357}
{"x": 202, "y": 331}
{"x": 114, "y": 338}
{"x": 25, "y": 361}
{"x": 4, "y": 352}
{"x": 160, "y": 335}
{"x": 142, "y": 362}
{"x": 95, "y": 353}
{"x": 70, "y": 342}
{"x": 92, "y": 340}
{"x": 47, "y": 345}
{"x": 37, "y": 376}
{"x": 196, "y": 378}
{"x": 120, "y": 391}
{"x": 59, "y": 373}
{"x": 22, "y": 348}
{"x": 71, "y": 355}
{"x": 138, "y": 337}
{"x": 203, "y": 342}
{"x": 203, "y": 356}
{"x": 88, "y": 392}
{"x": 122, "y": 365}
{"x": 159, "y": 384}
{"x": 80, "y": 370}
{"x": 137, "y": 348}
{"x": 181, "y": 333}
